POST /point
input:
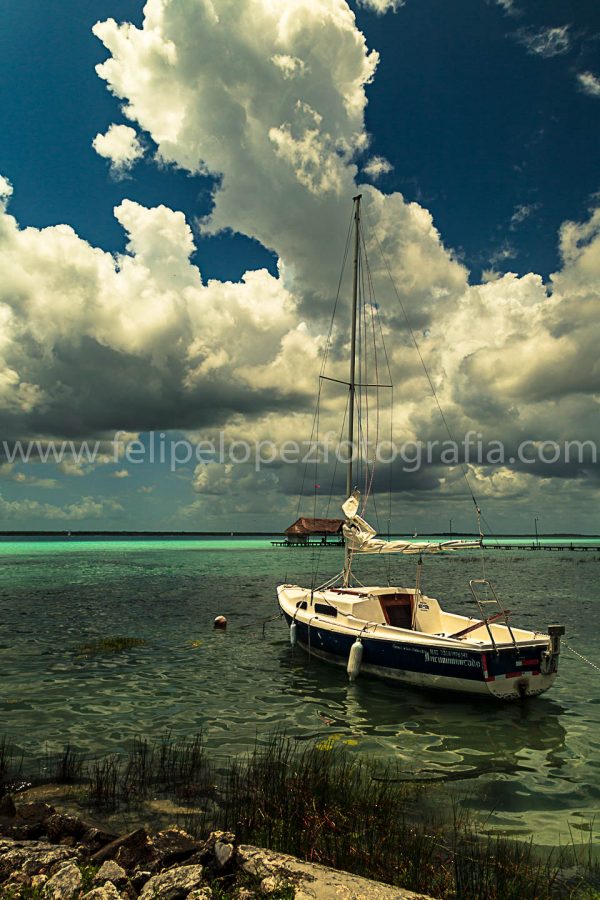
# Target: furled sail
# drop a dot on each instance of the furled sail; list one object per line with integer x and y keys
{"x": 361, "y": 538}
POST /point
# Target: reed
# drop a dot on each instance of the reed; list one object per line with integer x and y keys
{"x": 67, "y": 767}
{"x": 104, "y": 783}
{"x": 325, "y": 805}
{"x": 11, "y": 766}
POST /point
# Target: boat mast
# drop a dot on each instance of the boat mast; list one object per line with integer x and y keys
{"x": 352, "y": 384}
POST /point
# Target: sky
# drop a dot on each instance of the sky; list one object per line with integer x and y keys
{"x": 177, "y": 181}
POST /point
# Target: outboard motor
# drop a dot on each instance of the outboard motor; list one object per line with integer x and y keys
{"x": 550, "y": 656}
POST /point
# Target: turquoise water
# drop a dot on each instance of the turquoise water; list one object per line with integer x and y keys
{"x": 537, "y": 765}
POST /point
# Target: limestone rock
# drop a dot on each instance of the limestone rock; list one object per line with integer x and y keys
{"x": 31, "y": 857}
{"x": 226, "y": 837}
{"x": 104, "y": 892}
{"x": 223, "y": 854}
{"x": 59, "y": 826}
{"x": 110, "y": 871}
{"x": 65, "y": 884}
{"x": 15, "y": 884}
{"x": 204, "y": 893}
{"x": 174, "y": 845}
{"x": 206, "y": 854}
{"x": 312, "y": 881}
{"x": 175, "y": 884}
{"x": 132, "y": 851}
{"x": 272, "y": 883}
{"x": 28, "y": 821}
{"x": 34, "y": 812}
{"x": 95, "y": 839}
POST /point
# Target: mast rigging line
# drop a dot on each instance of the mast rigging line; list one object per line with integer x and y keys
{"x": 316, "y": 559}
{"x": 429, "y": 380}
{"x": 315, "y": 423}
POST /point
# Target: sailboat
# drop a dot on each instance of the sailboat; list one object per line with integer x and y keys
{"x": 399, "y": 633}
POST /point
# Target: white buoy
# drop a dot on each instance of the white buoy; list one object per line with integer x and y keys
{"x": 293, "y": 635}
{"x": 355, "y": 660}
{"x": 220, "y": 622}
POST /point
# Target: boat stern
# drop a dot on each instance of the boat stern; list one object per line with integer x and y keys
{"x": 526, "y": 671}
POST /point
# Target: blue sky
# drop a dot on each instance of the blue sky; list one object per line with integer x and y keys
{"x": 483, "y": 115}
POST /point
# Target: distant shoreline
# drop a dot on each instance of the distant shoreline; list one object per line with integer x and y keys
{"x": 268, "y": 534}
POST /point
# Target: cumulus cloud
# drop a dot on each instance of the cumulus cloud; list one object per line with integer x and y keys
{"x": 589, "y": 83}
{"x": 226, "y": 489}
{"x": 526, "y": 357}
{"x": 285, "y": 125}
{"x": 85, "y": 508}
{"x": 522, "y": 212}
{"x": 121, "y": 146}
{"x": 74, "y": 468}
{"x": 6, "y": 190}
{"x": 286, "y": 145}
{"x": 509, "y": 7}
{"x": 377, "y": 166}
{"x": 290, "y": 66}
{"x": 34, "y": 480}
{"x": 505, "y": 251}
{"x": 90, "y": 343}
{"x": 382, "y": 6}
{"x": 545, "y": 42}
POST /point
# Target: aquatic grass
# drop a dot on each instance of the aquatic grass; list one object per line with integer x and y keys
{"x": 4, "y": 761}
{"x": 325, "y": 804}
{"x": 169, "y": 767}
{"x": 66, "y": 767}
{"x": 104, "y": 781}
{"x": 329, "y": 807}
{"x": 135, "y": 780}
{"x": 498, "y": 867}
{"x": 179, "y": 767}
{"x": 11, "y": 766}
{"x": 111, "y": 644}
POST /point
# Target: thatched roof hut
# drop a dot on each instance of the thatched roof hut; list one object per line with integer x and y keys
{"x": 304, "y": 528}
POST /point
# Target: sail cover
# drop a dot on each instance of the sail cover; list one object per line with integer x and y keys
{"x": 361, "y": 538}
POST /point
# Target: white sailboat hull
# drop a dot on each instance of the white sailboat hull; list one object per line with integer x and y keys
{"x": 327, "y": 624}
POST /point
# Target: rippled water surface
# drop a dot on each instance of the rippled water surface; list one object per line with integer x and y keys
{"x": 536, "y": 766}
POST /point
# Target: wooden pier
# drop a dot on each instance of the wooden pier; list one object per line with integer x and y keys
{"x": 533, "y": 546}
{"x": 295, "y": 545}
{"x": 551, "y": 547}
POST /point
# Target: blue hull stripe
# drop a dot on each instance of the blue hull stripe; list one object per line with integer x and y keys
{"x": 408, "y": 657}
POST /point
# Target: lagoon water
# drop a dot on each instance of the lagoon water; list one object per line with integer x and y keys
{"x": 535, "y": 768}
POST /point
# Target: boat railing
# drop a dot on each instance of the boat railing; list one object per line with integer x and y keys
{"x": 500, "y": 617}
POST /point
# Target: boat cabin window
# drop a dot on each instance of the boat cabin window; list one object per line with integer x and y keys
{"x": 397, "y": 609}
{"x": 301, "y": 604}
{"x": 325, "y": 609}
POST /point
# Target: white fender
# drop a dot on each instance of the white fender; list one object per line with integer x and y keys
{"x": 355, "y": 660}
{"x": 293, "y": 636}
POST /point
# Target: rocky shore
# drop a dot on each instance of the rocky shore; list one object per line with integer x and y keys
{"x": 45, "y": 853}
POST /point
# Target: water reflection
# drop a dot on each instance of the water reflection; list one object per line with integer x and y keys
{"x": 388, "y": 716}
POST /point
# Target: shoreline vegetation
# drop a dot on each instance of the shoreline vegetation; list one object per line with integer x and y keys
{"x": 317, "y": 802}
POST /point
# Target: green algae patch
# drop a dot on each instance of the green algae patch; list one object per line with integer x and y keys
{"x": 112, "y": 644}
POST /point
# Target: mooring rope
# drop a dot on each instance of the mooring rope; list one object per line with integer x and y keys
{"x": 581, "y": 656}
